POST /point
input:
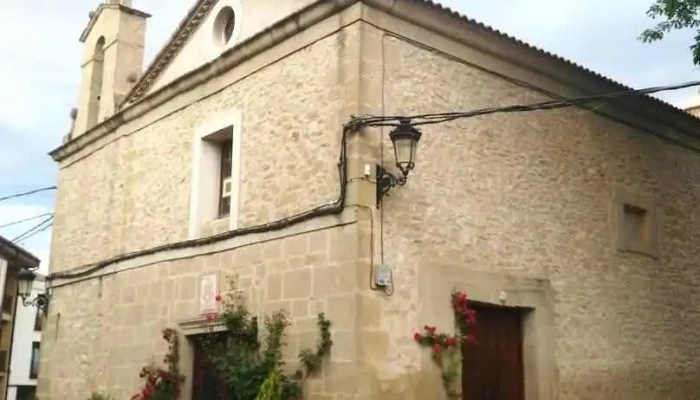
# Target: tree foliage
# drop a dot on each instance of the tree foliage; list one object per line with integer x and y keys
{"x": 675, "y": 14}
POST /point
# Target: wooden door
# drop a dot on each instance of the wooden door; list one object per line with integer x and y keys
{"x": 206, "y": 380}
{"x": 492, "y": 368}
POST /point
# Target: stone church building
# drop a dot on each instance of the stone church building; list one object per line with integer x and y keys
{"x": 573, "y": 230}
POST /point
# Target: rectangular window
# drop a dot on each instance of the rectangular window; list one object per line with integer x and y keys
{"x": 225, "y": 185}
{"x": 37, "y": 321}
{"x": 34, "y": 367}
{"x": 26, "y": 392}
{"x": 216, "y": 164}
{"x": 636, "y": 223}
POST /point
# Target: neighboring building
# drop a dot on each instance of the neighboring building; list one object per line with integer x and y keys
{"x": 12, "y": 259}
{"x": 26, "y": 347}
{"x": 576, "y": 226}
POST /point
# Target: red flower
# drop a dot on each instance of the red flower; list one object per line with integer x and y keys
{"x": 429, "y": 329}
{"x": 417, "y": 336}
{"x": 470, "y": 317}
{"x": 218, "y": 297}
{"x": 211, "y": 316}
{"x": 450, "y": 342}
{"x": 437, "y": 349}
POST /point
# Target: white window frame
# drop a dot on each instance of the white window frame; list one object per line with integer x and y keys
{"x": 206, "y": 171}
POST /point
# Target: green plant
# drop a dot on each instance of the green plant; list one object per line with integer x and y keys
{"x": 272, "y": 387}
{"x": 446, "y": 349}
{"x": 675, "y": 15}
{"x": 159, "y": 383}
{"x": 251, "y": 369}
{"x": 310, "y": 360}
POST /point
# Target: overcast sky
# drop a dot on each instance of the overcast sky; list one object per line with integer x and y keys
{"x": 40, "y": 53}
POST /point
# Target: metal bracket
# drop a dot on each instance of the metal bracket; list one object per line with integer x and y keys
{"x": 41, "y": 302}
{"x": 385, "y": 182}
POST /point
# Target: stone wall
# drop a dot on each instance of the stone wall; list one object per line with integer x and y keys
{"x": 519, "y": 202}
{"x": 130, "y": 191}
{"x": 102, "y": 331}
{"x": 530, "y": 196}
{"x": 133, "y": 192}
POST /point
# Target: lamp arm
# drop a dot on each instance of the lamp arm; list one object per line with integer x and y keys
{"x": 41, "y": 301}
{"x": 386, "y": 181}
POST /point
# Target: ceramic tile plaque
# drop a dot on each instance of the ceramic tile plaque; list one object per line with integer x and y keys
{"x": 208, "y": 289}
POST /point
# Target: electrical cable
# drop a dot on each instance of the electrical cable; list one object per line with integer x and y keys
{"x": 33, "y": 229}
{"x": 387, "y": 290}
{"x": 334, "y": 208}
{"x": 38, "y": 232}
{"x": 356, "y": 123}
{"x": 27, "y": 193}
{"x": 24, "y": 220}
{"x": 436, "y": 118}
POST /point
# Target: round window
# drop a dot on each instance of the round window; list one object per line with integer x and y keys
{"x": 224, "y": 24}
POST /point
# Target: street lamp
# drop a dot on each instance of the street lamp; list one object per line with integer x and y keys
{"x": 405, "y": 138}
{"x": 25, "y": 279}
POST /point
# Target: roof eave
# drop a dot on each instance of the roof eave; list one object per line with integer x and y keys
{"x": 96, "y": 14}
{"x": 14, "y": 253}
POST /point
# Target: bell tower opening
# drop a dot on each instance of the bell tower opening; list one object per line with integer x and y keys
{"x": 96, "y": 82}
{"x": 112, "y": 57}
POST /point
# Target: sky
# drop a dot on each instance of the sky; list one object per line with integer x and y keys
{"x": 40, "y": 55}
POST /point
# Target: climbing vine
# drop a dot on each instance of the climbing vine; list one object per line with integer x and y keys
{"x": 445, "y": 348}
{"x": 251, "y": 369}
{"x": 163, "y": 383}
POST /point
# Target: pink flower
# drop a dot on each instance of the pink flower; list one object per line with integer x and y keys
{"x": 417, "y": 336}
{"x": 218, "y": 297}
{"x": 450, "y": 342}
{"x": 437, "y": 349}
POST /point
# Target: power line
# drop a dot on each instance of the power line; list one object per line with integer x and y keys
{"x": 356, "y": 123}
{"x": 34, "y": 229}
{"x": 24, "y": 220}
{"x": 27, "y": 193}
{"x": 429, "y": 119}
{"x": 38, "y": 232}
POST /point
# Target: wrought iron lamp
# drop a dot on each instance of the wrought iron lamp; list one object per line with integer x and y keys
{"x": 405, "y": 138}
{"x": 25, "y": 279}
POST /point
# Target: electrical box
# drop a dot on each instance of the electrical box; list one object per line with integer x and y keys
{"x": 382, "y": 276}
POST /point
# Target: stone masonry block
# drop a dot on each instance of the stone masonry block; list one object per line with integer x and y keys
{"x": 187, "y": 287}
{"x": 300, "y": 308}
{"x": 274, "y": 286}
{"x": 296, "y": 283}
{"x": 294, "y": 246}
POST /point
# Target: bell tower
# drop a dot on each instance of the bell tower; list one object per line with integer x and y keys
{"x": 112, "y": 60}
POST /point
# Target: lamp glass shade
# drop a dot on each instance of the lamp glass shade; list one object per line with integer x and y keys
{"x": 405, "y": 152}
{"x": 25, "y": 279}
{"x": 405, "y": 139}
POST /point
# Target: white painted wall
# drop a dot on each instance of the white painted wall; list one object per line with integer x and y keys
{"x": 252, "y": 17}
{"x": 24, "y": 336}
